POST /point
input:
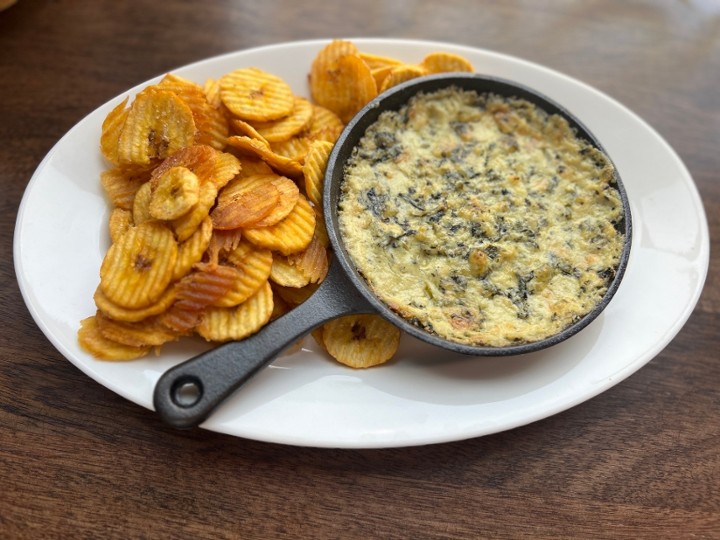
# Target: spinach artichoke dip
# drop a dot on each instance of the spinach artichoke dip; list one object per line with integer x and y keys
{"x": 481, "y": 219}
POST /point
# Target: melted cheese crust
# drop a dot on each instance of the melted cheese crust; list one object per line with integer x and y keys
{"x": 481, "y": 219}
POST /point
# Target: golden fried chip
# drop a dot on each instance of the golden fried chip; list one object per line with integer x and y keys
{"x": 225, "y": 167}
{"x": 291, "y": 235}
{"x": 257, "y": 148}
{"x": 119, "y": 313}
{"x": 244, "y": 202}
{"x": 210, "y": 123}
{"x": 225, "y": 324}
{"x": 186, "y": 225}
{"x": 175, "y": 193}
{"x": 93, "y": 342}
{"x": 191, "y": 250}
{"x": 400, "y": 74}
{"x": 291, "y": 125}
{"x": 312, "y": 263}
{"x": 324, "y": 67}
{"x": 221, "y": 243}
{"x": 254, "y": 266}
{"x": 289, "y": 195}
{"x": 198, "y": 158}
{"x": 253, "y": 165}
{"x": 295, "y": 296}
{"x": 440, "y": 62}
{"x": 204, "y": 286}
{"x": 294, "y": 148}
{"x": 361, "y": 341}
{"x": 381, "y": 73}
{"x": 141, "y": 204}
{"x": 110, "y": 132}
{"x": 212, "y": 93}
{"x": 139, "y": 266}
{"x": 314, "y": 170}
{"x": 286, "y": 274}
{"x": 120, "y": 221}
{"x": 147, "y": 333}
{"x": 343, "y": 85}
{"x": 121, "y": 186}
{"x": 241, "y": 127}
{"x": 256, "y": 95}
{"x": 324, "y": 125}
{"x": 159, "y": 123}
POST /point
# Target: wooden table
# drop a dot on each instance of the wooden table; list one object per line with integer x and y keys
{"x": 641, "y": 460}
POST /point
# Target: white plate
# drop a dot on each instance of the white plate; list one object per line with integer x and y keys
{"x": 426, "y": 395}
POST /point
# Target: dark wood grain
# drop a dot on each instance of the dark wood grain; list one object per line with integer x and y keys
{"x": 639, "y": 461}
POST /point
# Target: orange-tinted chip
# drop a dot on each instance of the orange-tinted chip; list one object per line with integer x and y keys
{"x": 139, "y": 266}
{"x": 92, "y": 341}
{"x": 440, "y": 62}
{"x": 361, "y": 341}
{"x": 376, "y": 61}
{"x": 312, "y": 262}
{"x": 210, "y": 123}
{"x": 253, "y": 165}
{"x": 241, "y": 127}
{"x": 314, "y": 170}
{"x": 225, "y": 324}
{"x": 295, "y": 148}
{"x": 324, "y": 125}
{"x": 254, "y": 266}
{"x": 158, "y": 124}
{"x": 289, "y": 195}
{"x": 254, "y": 94}
{"x": 285, "y": 128}
{"x": 291, "y": 235}
{"x": 255, "y": 147}
{"x": 212, "y": 93}
{"x": 146, "y": 333}
{"x": 244, "y": 202}
{"x": 400, "y": 74}
{"x": 121, "y": 186}
{"x": 221, "y": 243}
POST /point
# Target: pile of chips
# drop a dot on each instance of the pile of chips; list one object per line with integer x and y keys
{"x": 216, "y": 225}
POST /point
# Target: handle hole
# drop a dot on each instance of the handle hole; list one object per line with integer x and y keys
{"x": 187, "y": 392}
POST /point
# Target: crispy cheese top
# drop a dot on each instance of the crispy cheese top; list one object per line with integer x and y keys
{"x": 481, "y": 219}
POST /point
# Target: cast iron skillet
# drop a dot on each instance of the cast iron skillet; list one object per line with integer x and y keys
{"x": 186, "y": 394}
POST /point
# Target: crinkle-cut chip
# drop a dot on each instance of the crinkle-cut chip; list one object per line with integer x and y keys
{"x": 186, "y": 225}
{"x": 93, "y": 342}
{"x": 176, "y": 192}
{"x": 120, "y": 221}
{"x": 294, "y": 295}
{"x": 244, "y": 202}
{"x": 210, "y": 123}
{"x": 139, "y": 266}
{"x": 400, "y": 74}
{"x": 110, "y": 132}
{"x": 312, "y": 263}
{"x": 289, "y": 195}
{"x": 361, "y": 341}
{"x": 344, "y": 87}
{"x": 375, "y": 61}
{"x": 221, "y": 243}
{"x": 442, "y": 62}
{"x": 204, "y": 286}
{"x": 191, "y": 250}
{"x": 225, "y": 324}
{"x": 147, "y": 333}
{"x": 287, "y": 274}
{"x": 141, "y": 204}
{"x": 198, "y": 158}
{"x": 253, "y": 165}
{"x": 159, "y": 123}
{"x": 241, "y": 127}
{"x": 180, "y": 319}
{"x": 291, "y": 235}
{"x": 254, "y": 266}
{"x": 314, "y": 170}
{"x": 225, "y": 167}
{"x": 291, "y": 125}
{"x": 321, "y": 233}
{"x": 122, "y": 185}
{"x": 119, "y": 313}
{"x": 381, "y": 73}
{"x": 324, "y": 68}
{"x": 257, "y": 148}
{"x": 317, "y": 335}
{"x": 324, "y": 125}
{"x": 295, "y": 148}
{"x": 212, "y": 93}
{"x": 254, "y": 94}
{"x": 280, "y": 307}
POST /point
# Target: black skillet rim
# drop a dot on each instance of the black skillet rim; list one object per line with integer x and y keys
{"x": 394, "y": 99}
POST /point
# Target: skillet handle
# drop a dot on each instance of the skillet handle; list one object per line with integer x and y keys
{"x": 186, "y": 394}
